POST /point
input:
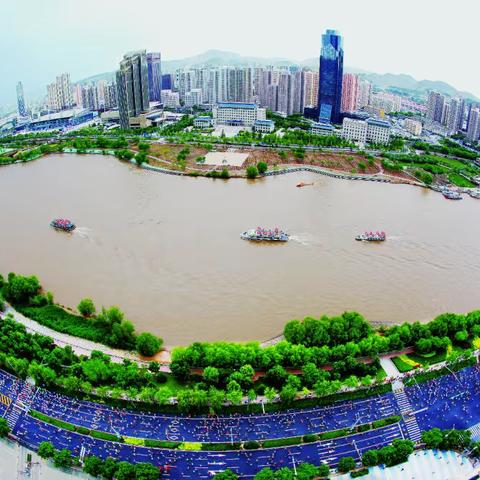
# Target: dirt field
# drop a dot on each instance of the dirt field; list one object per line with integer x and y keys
{"x": 351, "y": 162}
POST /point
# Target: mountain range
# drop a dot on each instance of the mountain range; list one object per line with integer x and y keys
{"x": 384, "y": 81}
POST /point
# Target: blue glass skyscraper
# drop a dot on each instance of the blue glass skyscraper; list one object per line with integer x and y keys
{"x": 154, "y": 76}
{"x": 331, "y": 76}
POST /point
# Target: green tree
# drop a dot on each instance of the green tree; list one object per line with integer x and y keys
{"x": 346, "y": 464}
{"x": 109, "y": 468}
{"x": 125, "y": 471}
{"x": 93, "y": 466}
{"x": 211, "y": 375}
{"x": 370, "y": 458}
{"x": 148, "y": 344}
{"x": 62, "y": 458}
{"x": 310, "y": 374}
{"x": 86, "y": 307}
{"x": 19, "y": 290}
{"x": 252, "y": 172}
{"x": 265, "y": 474}
{"x": 234, "y": 392}
{"x": 46, "y": 450}
{"x": 323, "y": 471}
{"x": 226, "y": 475}
{"x": 288, "y": 394}
{"x": 4, "y": 428}
{"x": 262, "y": 167}
{"x": 146, "y": 471}
{"x": 307, "y": 471}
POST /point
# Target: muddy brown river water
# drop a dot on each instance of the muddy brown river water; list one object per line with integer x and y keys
{"x": 167, "y": 249}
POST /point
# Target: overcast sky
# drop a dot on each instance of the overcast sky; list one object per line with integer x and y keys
{"x": 428, "y": 39}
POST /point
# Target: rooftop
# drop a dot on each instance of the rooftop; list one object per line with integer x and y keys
{"x": 264, "y": 122}
{"x": 323, "y": 126}
{"x": 250, "y": 106}
{"x": 378, "y": 123}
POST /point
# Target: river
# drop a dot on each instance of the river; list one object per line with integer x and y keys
{"x": 167, "y": 249}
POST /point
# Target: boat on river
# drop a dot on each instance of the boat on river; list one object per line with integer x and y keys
{"x": 371, "y": 237}
{"x": 63, "y": 224}
{"x": 303, "y": 184}
{"x": 451, "y": 194}
{"x": 261, "y": 234}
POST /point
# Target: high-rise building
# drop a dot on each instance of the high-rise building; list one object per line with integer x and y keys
{"x": 60, "y": 95}
{"x": 284, "y": 93}
{"x": 22, "y": 109}
{"x": 473, "y": 131}
{"x": 311, "y": 89}
{"x": 349, "y": 92}
{"x": 167, "y": 82}
{"x": 193, "y": 97}
{"x": 387, "y": 102}
{"x": 435, "y": 107}
{"x": 154, "y": 76}
{"x": 132, "y": 86}
{"x": 298, "y": 91}
{"x": 454, "y": 121}
{"x": 272, "y": 98}
{"x": 331, "y": 76}
{"x": 364, "y": 94}
{"x": 110, "y": 95}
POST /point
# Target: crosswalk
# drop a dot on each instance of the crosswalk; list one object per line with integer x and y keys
{"x": 408, "y": 415}
{"x": 12, "y": 416}
{"x": 475, "y": 430}
{"x": 21, "y": 404}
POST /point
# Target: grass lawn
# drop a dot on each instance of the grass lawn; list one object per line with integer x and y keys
{"x": 381, "y": 374}
{"x": 429, "y": 359}
{"x": 459, "y": 181}
{"x": 402, "y": 365}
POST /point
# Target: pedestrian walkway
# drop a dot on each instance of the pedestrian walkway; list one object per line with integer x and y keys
{"x": 390, "y": 369}
{"x": 407, "y": 412}
{"x": 80, "y": 346}
{"x": 424, "y": 465}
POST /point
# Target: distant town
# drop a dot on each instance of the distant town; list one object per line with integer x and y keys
{"x": 249, "y": 98}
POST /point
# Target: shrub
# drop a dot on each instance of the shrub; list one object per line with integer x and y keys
{"x": 4, "y": 428}
{"x": 225, "y": 174}
{"x": 62, "y": 458}
{"x": 86, "y": 307}
{"x": 46, "y": 450}
{"x": 148, "y": 344}
{"x": 262, "y": 167}
{"x": 252, "y": 172}
{"x": 251, "y": 445}
{"x": 346, "y": 464}
{"x": 309, "y": 438}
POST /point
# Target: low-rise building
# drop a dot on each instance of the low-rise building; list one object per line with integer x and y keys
{"x": 354, "y": 130}
{"x": 62, "y": 119}
{"x": 371, "y": 130}
{"x": 237, "y": 113}
{"x": 413, "y": 127}
{"x": 378, "y": 131}
{"x": 264, "y": 126}
{"x": 203, "y": 122}
{"x": 322, "y": 129}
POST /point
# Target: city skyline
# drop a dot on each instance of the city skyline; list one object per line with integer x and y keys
{"x": 381, "y": 48}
